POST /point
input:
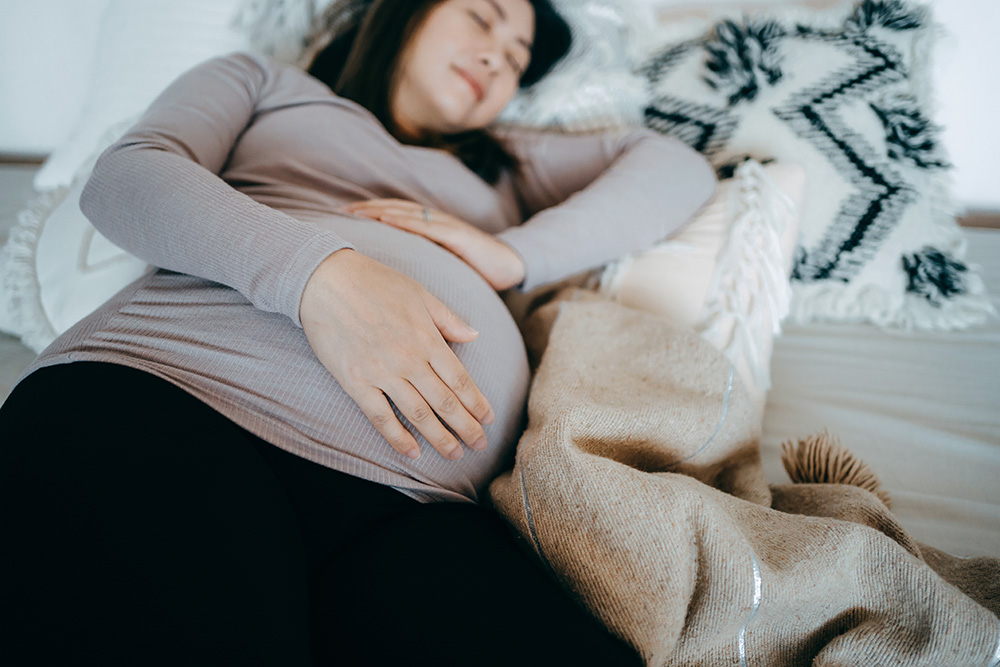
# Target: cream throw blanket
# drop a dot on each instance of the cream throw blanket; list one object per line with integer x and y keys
{"x": 638, "y": 484}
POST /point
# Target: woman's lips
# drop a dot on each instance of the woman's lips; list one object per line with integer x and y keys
{"x": 476, "y": 87}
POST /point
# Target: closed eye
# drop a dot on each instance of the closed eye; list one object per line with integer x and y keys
{"x": 480, "y": 21}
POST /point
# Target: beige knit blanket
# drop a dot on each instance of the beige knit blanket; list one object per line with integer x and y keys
{"x": 638, "y": 485}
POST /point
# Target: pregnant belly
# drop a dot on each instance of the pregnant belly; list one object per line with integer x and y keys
{"x": 258, "y": 368}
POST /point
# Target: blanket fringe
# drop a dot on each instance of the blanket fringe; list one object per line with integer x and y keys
{"x": 821, "y": 459}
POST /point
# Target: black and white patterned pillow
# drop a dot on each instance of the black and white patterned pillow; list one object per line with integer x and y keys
{"x": 846, "y": 93}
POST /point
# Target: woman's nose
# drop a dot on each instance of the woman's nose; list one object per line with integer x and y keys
{"x": 491, "y": 58}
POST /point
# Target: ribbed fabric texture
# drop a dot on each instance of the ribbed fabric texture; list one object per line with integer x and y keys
{"x": 638, "y": 483}
{"x": 232, "y": 181}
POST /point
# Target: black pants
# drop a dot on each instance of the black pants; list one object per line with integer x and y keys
{"x": 140, "y": 527}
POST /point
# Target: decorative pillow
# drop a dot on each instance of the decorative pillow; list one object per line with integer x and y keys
{"x": 142, "y": 47}
{"x": 725, "y": 273}
{"x": 846, "y": 93}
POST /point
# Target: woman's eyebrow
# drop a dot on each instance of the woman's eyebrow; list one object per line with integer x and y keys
{"x": 500, "y": 10}
{"x": 503, "y": 17}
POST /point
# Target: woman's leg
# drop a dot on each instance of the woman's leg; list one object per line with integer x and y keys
{"x": 404, "y": 583}
{"x": 447, "y": 585}
{"x": 140, "y": 527}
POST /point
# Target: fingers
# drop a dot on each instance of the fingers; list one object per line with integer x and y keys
{"x": 447, "y": 366}
{"x": 429, "y": 404}
{"x": 378, "y": 411}
{"x": 408, "y": 223}
{"x": 448, "y": 323}
{"x": 437, "y": 226}
{"x": 388, "y": 208}
{"x": 406, "y": 215}
{"x": 459, "y": 384}
{"x": 381, "y": 202}
{"x": 410, "y": 364}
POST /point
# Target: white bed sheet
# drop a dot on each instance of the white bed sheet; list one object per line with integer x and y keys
{"x": 923, "y": 410}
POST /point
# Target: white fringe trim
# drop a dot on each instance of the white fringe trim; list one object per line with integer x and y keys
{"x": 750, "y": 288}
{"x": 749, "y": 292}
{"x": 876, "y": 305}
{"x": 20, "y": 278}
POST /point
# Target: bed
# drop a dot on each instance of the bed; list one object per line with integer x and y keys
{"x": 917, "y": 400}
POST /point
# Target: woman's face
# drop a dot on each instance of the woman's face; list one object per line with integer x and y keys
{"x": 463, "y": 65}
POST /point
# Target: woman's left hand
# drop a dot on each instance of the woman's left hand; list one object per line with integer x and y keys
{"x": 493, "y": 259}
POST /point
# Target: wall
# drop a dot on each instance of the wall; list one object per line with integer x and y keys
{"x": 46, "y": 49}
{"x": 969, "y": 96}
{"x": 46, "y": 53}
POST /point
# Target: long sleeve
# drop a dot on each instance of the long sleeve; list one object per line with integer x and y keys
{"x": 589, "y": 199}
{"x": 156, "y": 192}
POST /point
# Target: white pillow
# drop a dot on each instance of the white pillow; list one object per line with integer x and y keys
{"x": 596, "y": 86}
{"x": 142, "y": 47}
{"x": 726, "y": 273}
{"x": 282, "y": 28}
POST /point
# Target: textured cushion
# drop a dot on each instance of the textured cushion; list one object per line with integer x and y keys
{"x": 846, "y": 93}
{"x": 725, "y": 274}
{"x": 142, "y": 47}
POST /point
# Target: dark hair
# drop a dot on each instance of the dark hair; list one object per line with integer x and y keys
{"x": 361, "y": 62}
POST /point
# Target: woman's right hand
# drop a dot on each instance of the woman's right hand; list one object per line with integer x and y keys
{"x": 382, "y": 336}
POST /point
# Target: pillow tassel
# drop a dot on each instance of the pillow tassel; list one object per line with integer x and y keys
{"x": 750, "y": 288}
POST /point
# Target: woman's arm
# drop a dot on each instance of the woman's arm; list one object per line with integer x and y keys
{"x": 591, "y": 198}
{"x": 156, "y": 193}
{"x": 494, "y": 260}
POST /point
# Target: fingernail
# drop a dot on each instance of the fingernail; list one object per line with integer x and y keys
{"x": 489, "y": 418}
{"x": 455, "y": 453}
{"x": 479, "y": 445}
{"x": 413, "y": 453}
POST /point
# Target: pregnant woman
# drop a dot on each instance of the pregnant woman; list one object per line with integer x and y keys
{"x": 274, "y": 448}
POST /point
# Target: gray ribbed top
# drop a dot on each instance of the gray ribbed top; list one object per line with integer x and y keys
{"x": 232, "y": 181}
